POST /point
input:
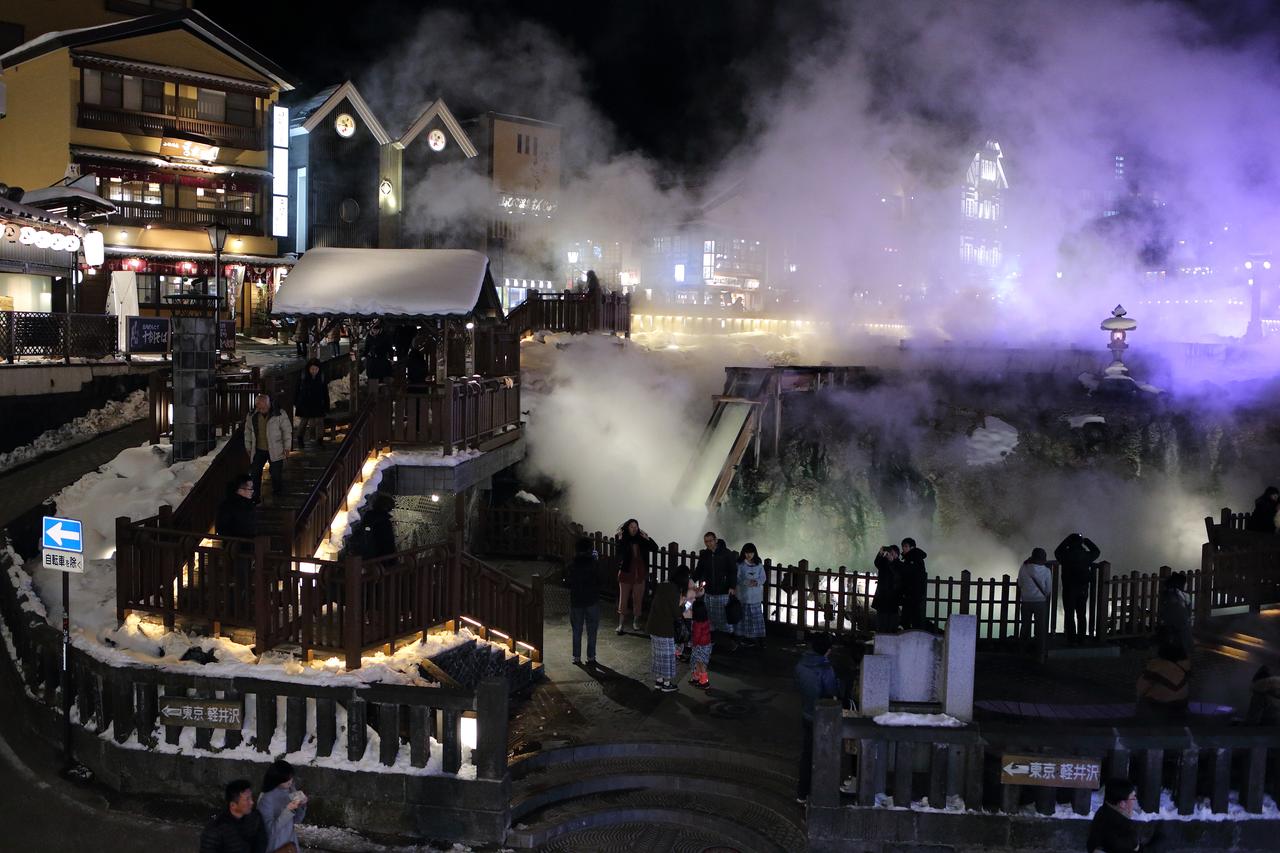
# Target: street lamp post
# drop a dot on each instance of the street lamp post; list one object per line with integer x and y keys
{"x": 217, "y": 240}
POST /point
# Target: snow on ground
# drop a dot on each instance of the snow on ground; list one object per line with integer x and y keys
{"x": 113, "y": 415}
{"x": 1078, "y": 421}
{"x": 897, "y": 718}
{"x": 991, "y": 442}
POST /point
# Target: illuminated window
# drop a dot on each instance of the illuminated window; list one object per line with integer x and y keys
{"x": 211, "y": 105}
{"x": 678, "y": 273}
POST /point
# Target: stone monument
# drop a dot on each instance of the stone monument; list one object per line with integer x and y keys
{"x": 195, "y": 362}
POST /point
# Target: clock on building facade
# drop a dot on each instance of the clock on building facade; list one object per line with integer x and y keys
{"x": 436, "y": 139}
{"x": 345, "y": 125}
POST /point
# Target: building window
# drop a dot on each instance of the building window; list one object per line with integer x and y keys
{"x": 140, "y": 192}
{"x": 153, "y": 96}
{"x": 147, "y": 289}
{"x": 109, "y": 89}
{"x": 218, "y": 198}
{"x": 211, "y": 105}
{"x": 242, "y": 109}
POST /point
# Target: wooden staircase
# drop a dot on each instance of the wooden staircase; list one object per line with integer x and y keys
{"x": 302, "y": 470}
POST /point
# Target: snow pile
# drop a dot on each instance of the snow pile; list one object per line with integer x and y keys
{"x": 1078, "y": 421}
{"x": 339, "y": 391}
{"x": 991, "y": 442}
{"x": 898, "y": 718}
{"x": 113, "y": 415}
{"x": 528, "y": 498}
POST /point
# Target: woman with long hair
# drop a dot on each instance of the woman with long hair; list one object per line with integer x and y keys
{"x": 751, "y": 580}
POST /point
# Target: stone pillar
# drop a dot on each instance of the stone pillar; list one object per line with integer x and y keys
{"x": 959, "y": 656}
{"x": 193, "y": 386}
{"x": 873, "y": 685}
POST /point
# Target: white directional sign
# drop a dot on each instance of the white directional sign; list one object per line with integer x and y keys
{"x": 1050, "y": 771}
{"x": 201, "y": 713}
{"x": 63, "y": 534}
{"x": 63, "y": 545}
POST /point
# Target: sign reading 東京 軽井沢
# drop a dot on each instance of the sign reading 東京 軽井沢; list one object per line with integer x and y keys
{"x": 201, "y": 713}
{"x": 1050, "y": 771}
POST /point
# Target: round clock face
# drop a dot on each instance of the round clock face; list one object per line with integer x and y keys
{"x": 345, "y": 125}
{"x": 436, "y": 140}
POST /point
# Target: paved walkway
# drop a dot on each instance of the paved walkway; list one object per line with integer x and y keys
{"x": 28, "y": 486}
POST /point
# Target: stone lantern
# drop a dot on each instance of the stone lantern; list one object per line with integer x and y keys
{"x": 195, "y": 350}
{"x": 1117, "y": 327}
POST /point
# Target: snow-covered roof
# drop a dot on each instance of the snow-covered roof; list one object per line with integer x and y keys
{"x": 385, "y": 283}
{"x": 56, "y": 200}
{"x": 163, "y": 163}
{"x": 27, "y": 211}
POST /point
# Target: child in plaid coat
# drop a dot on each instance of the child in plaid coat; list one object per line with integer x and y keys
{"x": 702, "y": 642}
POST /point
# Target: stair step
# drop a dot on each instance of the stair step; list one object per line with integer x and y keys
{"x": 742, "y": 822}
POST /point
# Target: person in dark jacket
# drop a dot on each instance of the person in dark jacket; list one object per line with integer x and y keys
{"x": 238, "y": 828}
{"x": 717, "y": 568}
{"x": 886, "y": 600}
{"x": 375, "y": 535}
{"x": 1264, "y": 700}
{"x": 914, "y": 585}
{"x": 815, "y": 679}
{"x": 377, "y": 356}
{"x": 668, "y": 599}
{"x": 238, "y": 514}
{"x": 1076, "y": 555}
{"x": 583, "y": 577}
{"x": 634, "y": 548}
{"x": 1175, "y": 611}
{"x": 311, "y": 404}
{"x": 1263, "y": 517}
{"x": 416, "y": 361}
{"x": 1113, "y": 829}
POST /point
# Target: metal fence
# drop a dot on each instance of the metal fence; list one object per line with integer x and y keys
{"x": 40, "y": 334}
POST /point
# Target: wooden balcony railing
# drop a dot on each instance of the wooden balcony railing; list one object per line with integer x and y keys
{"x": 138, "y": 213}
{"x": 158, "y": 124}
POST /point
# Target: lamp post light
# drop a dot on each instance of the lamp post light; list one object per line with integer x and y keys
{"x": 217, "y": 240}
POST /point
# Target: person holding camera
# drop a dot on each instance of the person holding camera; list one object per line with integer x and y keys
{"x": 634, "y": 548}
{"x": 914, "y": 585}
{"x": 283, "y": 807}
{"x": 886, "y": 600}
{"x": 1076, "y": 555}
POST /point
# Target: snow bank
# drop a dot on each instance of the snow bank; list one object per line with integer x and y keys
{"x": 1078, "y": 421}
{"x": 113, "y": 415}
{"x": 528, "y": 498}
{"x": 991, "y": 442}
{"x": 897, "y": 718}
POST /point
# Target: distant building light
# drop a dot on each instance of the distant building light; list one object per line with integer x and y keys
{"x": 678, "y": 273}
{"x": 1248, "y": 265}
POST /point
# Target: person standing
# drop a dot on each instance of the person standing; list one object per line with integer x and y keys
{"x": 751, "y": 580}
{"x": 1113, "y": 829}
{"x": 1264, "y": 699}
{"x": 1175, "y": 611}
{"x": 377, "y": 356}
{"x": 267, "y": 439}
{"x": 1035, "y": 588}
{"x": 1164, "y": 686}
{"x": 668, "y": 598}
{"x": 886, "y": 600}
{"x": 237, "y": 515}
{"x": 1265, "y": 508}
{"x": 374, "y": 535}
{"x": 238, "y": 828}
{"x": 717, "y": 570}
{"x": 1076, "y": 554}
{"x": 282, "y": 807}
{"x": 700, "y": 636}
{"x": 634, "y": 548}
{"x": 311, "y": 404}
{"x": 334, "y": 338}
{"x": 583, "y": 577}
{"x": 914, "y": 585}
{"x": 815, "y": 679}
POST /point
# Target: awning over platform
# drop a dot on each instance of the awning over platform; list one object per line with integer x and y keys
{"x": 386, "y": 283}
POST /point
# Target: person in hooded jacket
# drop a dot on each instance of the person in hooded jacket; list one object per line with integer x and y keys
{"x": 886, "y": 600}
{"x": 583, "y": 577}
{"x": 1076, "y": 554}
{"x": 282, "y": 807}
{"x": 311, "y": 404}
{"x": 634, "y": 548}
{"x": 1175, "y": 611}
{"x": 815, "y": 679}
{"x": 914, "y": 585}
{"x": 1264, "y": 699}
{"x": 1035, "y": 591}
{"x": 1263, "y": 517}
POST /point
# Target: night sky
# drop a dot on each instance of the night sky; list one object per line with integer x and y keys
{"x": 676, "y": 78}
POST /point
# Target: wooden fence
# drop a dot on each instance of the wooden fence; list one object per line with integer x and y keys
{"x": 126, "y": 700}
{"x": 455, "y": 415}
{"x": 912, "y": 764}
{"x": 1118, "y": 606}
{"x": 575, "y": 313}
{"x": 48, "y": 335}
{"x": 331, "y": 491}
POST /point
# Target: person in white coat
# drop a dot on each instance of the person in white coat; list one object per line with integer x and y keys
{"x": 268, "y": 438}
{"x": 1035, "y": 587}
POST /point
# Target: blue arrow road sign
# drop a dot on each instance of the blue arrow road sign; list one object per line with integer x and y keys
{"x": 63, "y": 534}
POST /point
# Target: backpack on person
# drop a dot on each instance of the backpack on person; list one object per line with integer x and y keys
{"x": 361, "y": 542}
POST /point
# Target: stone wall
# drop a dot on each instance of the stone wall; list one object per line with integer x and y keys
{"x": 37, "y": 399}
{"x": 851, "y": 829}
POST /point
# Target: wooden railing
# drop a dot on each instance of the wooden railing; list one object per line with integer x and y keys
{"x": 158, "y": 124}
{"x": 502, "y": 604}
{"x": 138, "y": 213}
{"x": 329, "y": 495}
{"x": 571, "y": 312}
{"x": 912, "y": 764}
{"x": 477, "y": 411}
{"x": 127, "y": 698}
{"x": 65, "y": 336}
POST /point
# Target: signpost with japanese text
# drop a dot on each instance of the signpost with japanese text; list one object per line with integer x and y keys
{"x": 201, "y": 713}
{"x": 62, "y": 549}
{"x": 148, "y": 335}
{"x": 1050, "y": 771}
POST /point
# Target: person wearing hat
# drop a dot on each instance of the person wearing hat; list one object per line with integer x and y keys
{"x": 1035, "y": 585}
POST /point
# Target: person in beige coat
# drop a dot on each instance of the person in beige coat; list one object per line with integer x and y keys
{"x": 268, "y": 438}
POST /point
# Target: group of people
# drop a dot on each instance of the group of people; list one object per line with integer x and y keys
{"x": 309, "y": 337}
{"x": 901, "y": 587}
{"x": 271, "y": 827}
{"x": 722, "y": 595}
{"x": 1076, "y": 556}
